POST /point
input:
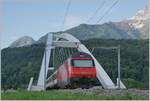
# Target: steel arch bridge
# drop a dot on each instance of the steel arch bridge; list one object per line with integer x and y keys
{"x": 53, "y": 41}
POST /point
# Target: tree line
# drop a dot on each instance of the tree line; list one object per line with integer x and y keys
{"x": 19, "y": 64}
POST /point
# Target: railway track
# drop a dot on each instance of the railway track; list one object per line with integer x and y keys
{"x": 98, "y": 90}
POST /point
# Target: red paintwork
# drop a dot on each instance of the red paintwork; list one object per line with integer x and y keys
{"x": 76, "y": 72}
{"x": 66, "y": 72}
{"x": 83, "y": 72}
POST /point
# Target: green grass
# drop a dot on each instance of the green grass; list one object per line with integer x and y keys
{"x": 59, "y": 95}
{"x": 131, "y": 83}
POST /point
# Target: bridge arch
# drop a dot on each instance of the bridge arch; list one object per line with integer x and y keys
{"x": 53, "y": 40}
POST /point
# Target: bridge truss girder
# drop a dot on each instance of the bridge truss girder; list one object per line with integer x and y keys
{"x": 70, "y": 41}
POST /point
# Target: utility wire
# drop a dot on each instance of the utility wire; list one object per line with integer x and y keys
{"x": 66, "y": 13}
{"x": 108, "y": 10}
{"x": 97, "y": 10}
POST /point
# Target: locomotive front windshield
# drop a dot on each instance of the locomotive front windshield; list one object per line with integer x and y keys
{"x": 83, "y": 63}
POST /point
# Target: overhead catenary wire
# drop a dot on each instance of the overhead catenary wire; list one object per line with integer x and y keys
{"x": 71, "y": 51}
{"x": 96, "y": 11}
{"x": 108, "y": 10}
{"x": 66, "y": 13}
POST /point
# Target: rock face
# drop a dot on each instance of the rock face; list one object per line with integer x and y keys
{"x": 23, "y": 41}
{"x": 142, "y": 16}
{"x": 141, "y": 21}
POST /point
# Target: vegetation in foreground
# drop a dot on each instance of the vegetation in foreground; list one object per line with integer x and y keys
{"x": 59, "y": 95}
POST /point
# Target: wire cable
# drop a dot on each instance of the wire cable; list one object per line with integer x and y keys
{"x": 97, "y": 10}
{"x": 108, "y": 10}
{"x": 66, "y": 13}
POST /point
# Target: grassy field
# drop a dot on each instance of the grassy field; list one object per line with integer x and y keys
{"x": 59, "y": 95}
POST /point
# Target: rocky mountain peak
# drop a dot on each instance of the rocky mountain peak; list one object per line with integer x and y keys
{"x": 142, "y": 14}
{"x": 23, "y": 41}
{"x": 141, "y": 18}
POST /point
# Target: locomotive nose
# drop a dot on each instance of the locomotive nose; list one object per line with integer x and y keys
{"x": 83, "y": 72}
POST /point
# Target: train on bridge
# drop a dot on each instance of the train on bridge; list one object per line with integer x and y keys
{"x": 80, "y": 67}
{"x": 77, "y": 71}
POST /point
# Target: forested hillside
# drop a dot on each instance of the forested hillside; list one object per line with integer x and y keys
{"x": 134, "y": 58}
{"x": 19, "y": 64}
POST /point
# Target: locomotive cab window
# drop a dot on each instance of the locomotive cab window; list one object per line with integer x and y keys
{"x": 83, "y": 63}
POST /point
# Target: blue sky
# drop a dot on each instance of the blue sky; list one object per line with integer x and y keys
{"x": 35, "y": 18}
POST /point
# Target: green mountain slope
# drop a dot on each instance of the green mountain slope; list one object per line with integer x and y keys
{"x": 110, "y": 30}
{"x": 105, "y": 31}
{"x": 19, "y": 64}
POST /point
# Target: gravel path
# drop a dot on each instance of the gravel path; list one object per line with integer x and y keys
{"x": 99, "y": 91}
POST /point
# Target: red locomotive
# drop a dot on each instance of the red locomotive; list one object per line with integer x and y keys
{"x": 77, "y": 70}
